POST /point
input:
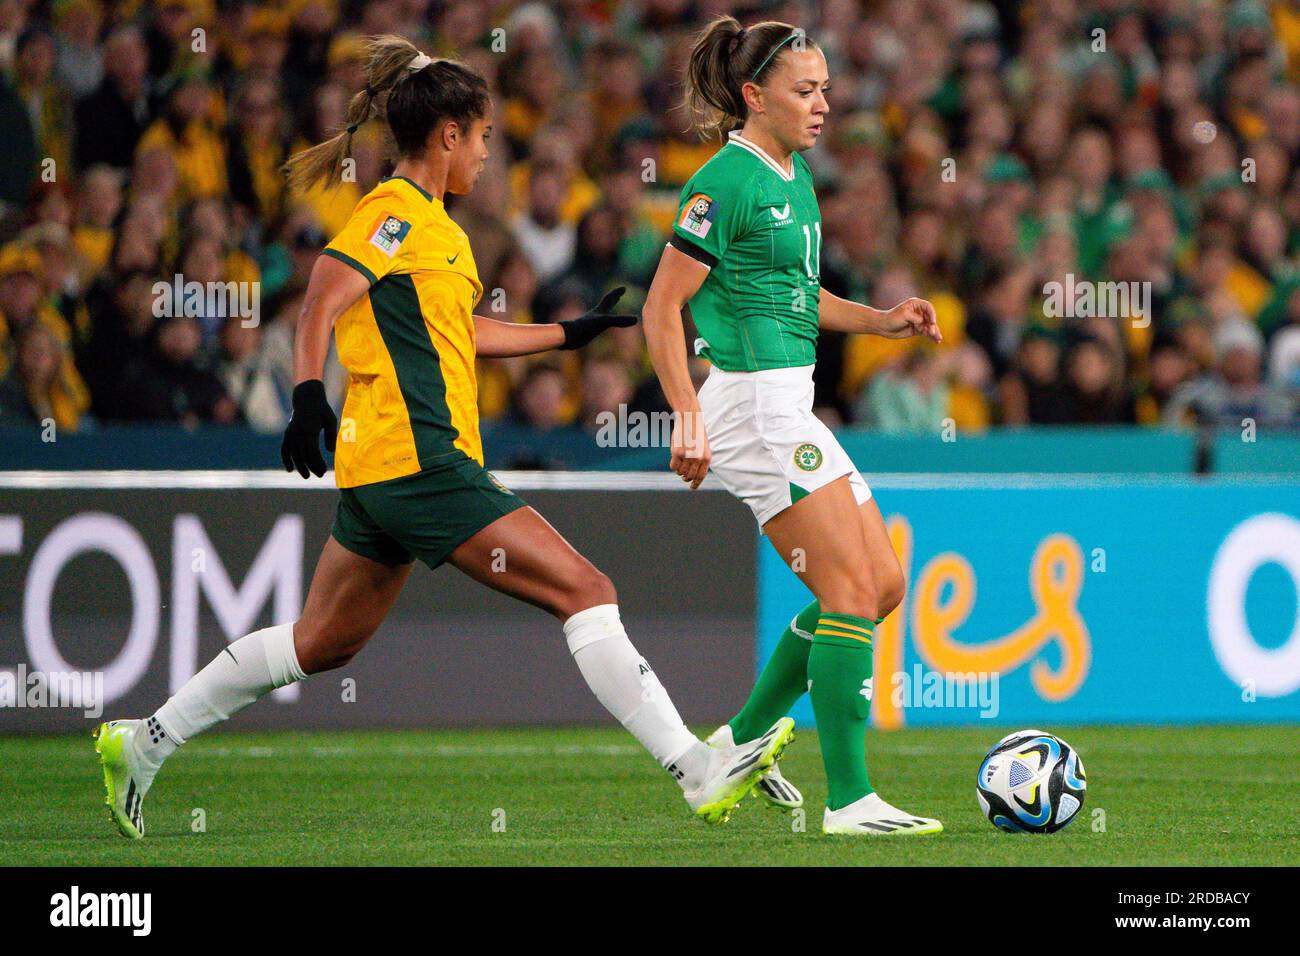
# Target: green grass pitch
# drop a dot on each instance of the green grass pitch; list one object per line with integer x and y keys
{"x": 1170, "y": 795}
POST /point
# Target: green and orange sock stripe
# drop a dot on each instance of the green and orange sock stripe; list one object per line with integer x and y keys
{"x": 848, "y": 626}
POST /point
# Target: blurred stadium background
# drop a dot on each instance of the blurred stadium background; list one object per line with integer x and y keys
{"x": 1119, "y": 489}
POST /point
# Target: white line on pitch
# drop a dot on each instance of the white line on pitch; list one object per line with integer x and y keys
{"x": 434, "y": 750}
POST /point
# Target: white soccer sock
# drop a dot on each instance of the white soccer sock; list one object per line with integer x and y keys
{"x": 624, "y": 683}
{"x": 249, "y": 668}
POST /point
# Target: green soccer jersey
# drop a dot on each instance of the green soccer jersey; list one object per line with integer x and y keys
{"x": 760, "y": 232}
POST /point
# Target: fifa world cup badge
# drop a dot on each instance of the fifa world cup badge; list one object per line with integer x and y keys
{"x": 388, "y": 233}
{"x": 697, "y": 219}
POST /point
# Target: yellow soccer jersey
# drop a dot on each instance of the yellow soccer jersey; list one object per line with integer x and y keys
{"x": 408, "y": 344}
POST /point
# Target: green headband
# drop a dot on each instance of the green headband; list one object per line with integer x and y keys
{"x": 767, "y": 59}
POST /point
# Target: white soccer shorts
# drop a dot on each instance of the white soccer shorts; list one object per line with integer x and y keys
{"x": 769, "y": 449}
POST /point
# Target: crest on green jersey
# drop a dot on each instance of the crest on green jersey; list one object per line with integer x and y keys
{"x": 808, "y": 457}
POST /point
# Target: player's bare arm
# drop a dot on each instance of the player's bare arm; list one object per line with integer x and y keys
{"x": 332, "y": 288}
{"x": 909, "y": 318}
{"x": 678, "y": 278}
{"x": 496, "y": 339}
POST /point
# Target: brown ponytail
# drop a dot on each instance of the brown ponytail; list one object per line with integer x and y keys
{"x": 411, "y": 101}
{"x": 726, "y": 57}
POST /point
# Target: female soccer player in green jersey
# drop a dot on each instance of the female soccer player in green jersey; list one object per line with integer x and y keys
{"x": 744, "y": 254}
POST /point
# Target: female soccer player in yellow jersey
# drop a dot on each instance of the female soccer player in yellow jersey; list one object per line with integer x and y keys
{"x": 744, "y": 254}
{"x": 398, "y": 287}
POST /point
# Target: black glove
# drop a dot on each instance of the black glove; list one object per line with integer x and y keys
{"x": 578, "y": 332}
{"x": 311, "y": 413}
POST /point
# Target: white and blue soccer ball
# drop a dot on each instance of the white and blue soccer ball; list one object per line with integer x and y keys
{"x": 1031, "y": 782}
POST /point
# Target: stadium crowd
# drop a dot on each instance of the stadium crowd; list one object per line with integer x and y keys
{"x": 977, "y": 153}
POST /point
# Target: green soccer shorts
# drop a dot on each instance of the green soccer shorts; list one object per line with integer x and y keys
{"x": 427, "y": 515}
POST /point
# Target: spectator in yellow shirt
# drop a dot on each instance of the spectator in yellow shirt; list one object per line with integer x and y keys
{"x": 552, "y": 149}
{"x": 258, "y": 150}
{"x": 186, "y": 133}
{"x": 39, "y": 388}
{"x": 21, "y": 310}
{"x": 46, "y": 99}
{"x": 331, "y": 207}
{"x": 98, "y": 204}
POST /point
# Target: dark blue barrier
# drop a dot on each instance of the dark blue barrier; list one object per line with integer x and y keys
{"x": 510, "y": 446}
{"x": 140, "y": 448}
{"x": 215, "y": 447}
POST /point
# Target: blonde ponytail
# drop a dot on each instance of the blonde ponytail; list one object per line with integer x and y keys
{"x": 389, "y": 59}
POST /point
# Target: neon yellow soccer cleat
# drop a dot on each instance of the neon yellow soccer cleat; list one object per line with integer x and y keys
{"x": 123, "y": 777}
{"x": 735, "y": 771}
{"x": 773, "y": 787}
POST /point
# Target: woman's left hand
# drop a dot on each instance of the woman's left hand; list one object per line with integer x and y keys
{"x": 578, "y": 332}
{"x": 912, "y": 317}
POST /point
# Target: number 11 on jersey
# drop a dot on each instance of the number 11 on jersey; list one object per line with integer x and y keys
{"x": 812, "y": 256}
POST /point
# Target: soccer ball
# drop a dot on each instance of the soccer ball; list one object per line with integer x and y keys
{"x": 1031, "y": 782}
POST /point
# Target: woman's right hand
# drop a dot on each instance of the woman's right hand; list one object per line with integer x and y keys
{"x": 690, "y": 447}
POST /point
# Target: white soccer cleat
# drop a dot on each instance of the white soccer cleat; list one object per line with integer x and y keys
{"x": 772, "y": 787}
{"x": 872, "y": 816}
{"x": 733, "y": 772}
{"x": 126, "y": 778}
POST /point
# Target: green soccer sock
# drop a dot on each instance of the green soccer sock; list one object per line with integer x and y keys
{"x": 783, "y": 681}
{"x": 839, "y": 669}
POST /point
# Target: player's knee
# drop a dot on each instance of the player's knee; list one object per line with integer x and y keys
{"x": 339, "y": 656}
{"x": 891, "y": 591}
{"x": 596, "y": 588}
{"x": 588, "y": 588}
{"x": 326, "y": 649}
{"x": 856, "y": 595}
